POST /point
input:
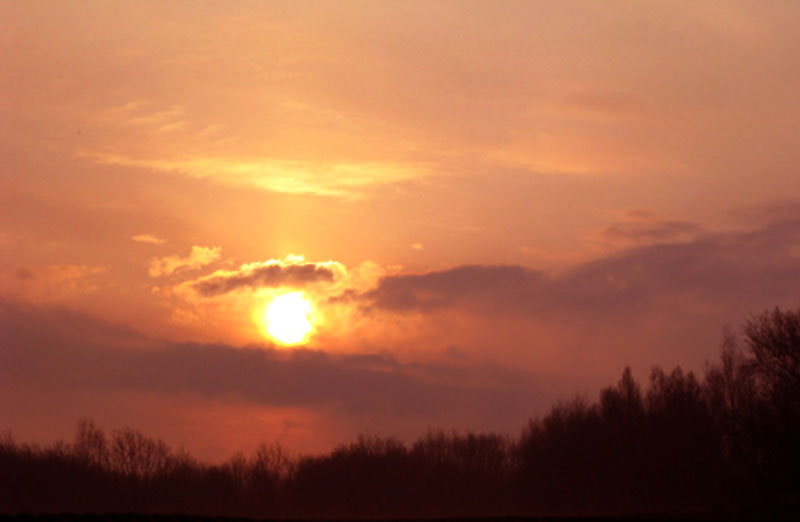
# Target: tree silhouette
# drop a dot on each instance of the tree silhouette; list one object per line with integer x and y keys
{"x": 773, "y": 339}
{"x": 724, "y": 444}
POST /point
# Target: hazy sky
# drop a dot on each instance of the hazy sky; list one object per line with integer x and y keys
{"x": 488, "y": 205}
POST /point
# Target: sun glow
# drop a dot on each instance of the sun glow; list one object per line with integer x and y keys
{"x": 287, "y": 318}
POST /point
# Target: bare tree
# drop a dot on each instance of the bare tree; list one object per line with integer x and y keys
{"x": 90, "y": 444}
{"x": 774, "y": 339}
{"x": 133, "y": 454}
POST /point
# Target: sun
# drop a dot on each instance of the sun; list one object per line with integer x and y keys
{"x": 287, "y": 318}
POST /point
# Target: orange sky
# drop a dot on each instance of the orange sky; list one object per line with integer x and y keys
{"x": 491, "y": 205}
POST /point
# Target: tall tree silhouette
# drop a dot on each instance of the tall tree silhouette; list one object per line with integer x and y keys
{"x": 773, "y": 339}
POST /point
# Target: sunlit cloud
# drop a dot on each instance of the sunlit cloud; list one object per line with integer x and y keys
{"x": 231, "y": 303}
{"x": 199, "y": 257}
{"x": 148, "y": 238}
{"x": 343, "y": 180}
{"x": 292, "y": 271}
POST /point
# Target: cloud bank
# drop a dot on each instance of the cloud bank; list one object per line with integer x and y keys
{"x": 740, "y": 268}
{"x": 55, "y": 350}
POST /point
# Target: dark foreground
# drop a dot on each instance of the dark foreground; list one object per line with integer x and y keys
{"x": 133, "y": 517}
{"x": 723, "y": 444}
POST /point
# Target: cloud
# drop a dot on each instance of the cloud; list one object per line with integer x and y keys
{"x": 54, "y": 282}
{"x": 292, "y": 271}
{"x": 55, "y": 349}
{"x": 199, "y": 257}
{"x": 660, "y": 303}
{"x": 746, "y": 268}
{"x": 641, "y": 227}
{"x": 148, "y": 238}
{"x": 342, "y": 180}
{"x": 24, "y": 274}
{"x": 448, "y": 287}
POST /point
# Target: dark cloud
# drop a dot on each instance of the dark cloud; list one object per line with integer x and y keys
{"x": 663, "y": 303}
{"x": 56, "y": 349}
{"x": 497, "y": 284}
{"x": 24, "y": 274}
{"x": 266, "y": 275}
{"x": 643, "y": 227}
{"x": 748, "y": 269}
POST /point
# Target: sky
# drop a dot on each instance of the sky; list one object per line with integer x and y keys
{"x": 486, "y": 207}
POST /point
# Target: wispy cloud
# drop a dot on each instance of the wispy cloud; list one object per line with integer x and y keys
{"x": 642, "y": 227}
{"x": 148, "y": 238}
{"x": 199, "y": 257}
{"x": 54, "y": 282}
{"x": 342, "y": 180}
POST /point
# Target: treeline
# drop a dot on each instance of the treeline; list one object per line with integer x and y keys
{"x": 723, "y": 443}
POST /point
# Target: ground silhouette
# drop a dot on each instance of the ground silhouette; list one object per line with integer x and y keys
{"x": 716, "y": 445}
